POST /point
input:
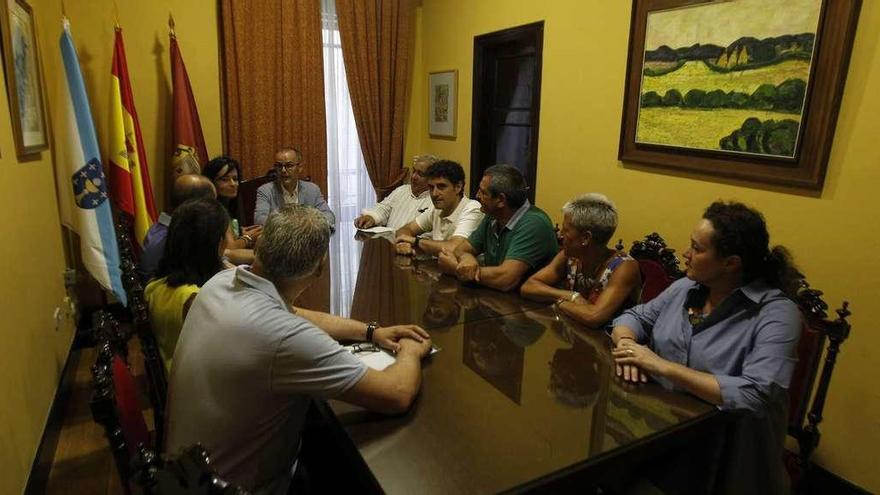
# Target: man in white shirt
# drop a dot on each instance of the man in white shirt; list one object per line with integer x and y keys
{"x": 404, "y": 203}
{"x": 452, "y": 218}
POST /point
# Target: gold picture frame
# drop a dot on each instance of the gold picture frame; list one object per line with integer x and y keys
{"x": 24, "y": 79}
{"x": 442, "y": 104}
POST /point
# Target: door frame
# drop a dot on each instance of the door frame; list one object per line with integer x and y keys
{"x": 482, "y": 43}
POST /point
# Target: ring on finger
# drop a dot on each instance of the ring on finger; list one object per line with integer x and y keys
{"x": 630, "y": 352}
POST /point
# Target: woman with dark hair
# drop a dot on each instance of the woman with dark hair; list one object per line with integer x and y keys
{"x": 728, "y": 334}
{"x": 225, "y": 173}
{"x": 193, "y": 254}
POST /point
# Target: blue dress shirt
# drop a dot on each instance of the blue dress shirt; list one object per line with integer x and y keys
{"x": 749, "y": 343}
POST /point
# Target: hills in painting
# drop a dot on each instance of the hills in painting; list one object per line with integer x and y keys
{"x": 746, "y": 95}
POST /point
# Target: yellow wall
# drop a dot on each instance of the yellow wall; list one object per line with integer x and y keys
{"x": 32, "y": 254}
{"x": 833, "y": 235}
{"x": 33, "y": 351}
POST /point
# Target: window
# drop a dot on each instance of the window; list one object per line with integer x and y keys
{"x": 348, "y": 186}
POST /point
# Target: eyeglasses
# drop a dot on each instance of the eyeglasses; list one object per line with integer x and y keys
{"x": 287, "y": 165}
{"x": 363, "y": 347}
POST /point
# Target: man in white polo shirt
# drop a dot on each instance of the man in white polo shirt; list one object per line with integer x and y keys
{"x": 248, "y": 363}
{"x": 452, "y": 218}
{"x": 404, "y": 203}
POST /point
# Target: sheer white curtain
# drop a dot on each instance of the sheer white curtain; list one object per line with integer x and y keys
{"x": 348, "y": 186}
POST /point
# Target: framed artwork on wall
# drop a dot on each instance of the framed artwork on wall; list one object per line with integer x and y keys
{"x": 753, "y": 97}
{"x": 24, "y": 78}
{"x": 442, "y": 103}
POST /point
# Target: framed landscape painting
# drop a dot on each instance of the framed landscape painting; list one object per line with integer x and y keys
{"x": 744, "y": 89}
{"x": 442, "y": 103}
{"x": 24, "y": 83}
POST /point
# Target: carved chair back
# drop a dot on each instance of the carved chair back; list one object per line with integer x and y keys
{"x": 658, "y": 265}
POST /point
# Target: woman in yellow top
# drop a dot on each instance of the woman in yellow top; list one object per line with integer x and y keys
{"x": 193, "y": 254}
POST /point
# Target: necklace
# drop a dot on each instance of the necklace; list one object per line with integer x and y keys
{"x": 578, "y": 278}
{"x": 696, "y": 317}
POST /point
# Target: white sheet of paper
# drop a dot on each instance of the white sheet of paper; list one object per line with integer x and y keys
{"x": 379, "y": 360}
{"x": 378, "y": 230}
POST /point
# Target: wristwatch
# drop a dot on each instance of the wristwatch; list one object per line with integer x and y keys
{"x": 371, "y": 327}
{"x": 416, "y": 242}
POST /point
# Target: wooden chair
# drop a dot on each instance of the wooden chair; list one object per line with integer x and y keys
{"x": 189, "y": 473}
{"x": 658, "y": 265}
{"x": 115, "y": 404}
{"x": 805, "y": 415}
{"x": 247, "y": 196}
{"x": 157, "y": 382}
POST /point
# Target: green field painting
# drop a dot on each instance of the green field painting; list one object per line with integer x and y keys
{"x": 729, "y": 76}
{"x": 700, "y": 129}
{"x": 697, "y": 75}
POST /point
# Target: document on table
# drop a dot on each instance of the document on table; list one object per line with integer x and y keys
{"x": 381, "y": 232}
{"x": 378, "y": 230}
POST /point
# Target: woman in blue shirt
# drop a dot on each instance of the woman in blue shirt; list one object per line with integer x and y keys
{"x": 728, "y": 334}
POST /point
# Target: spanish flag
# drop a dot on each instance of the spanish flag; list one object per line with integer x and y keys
{"x": 129, "y": 177}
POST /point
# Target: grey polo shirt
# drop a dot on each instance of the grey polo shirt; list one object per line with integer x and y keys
{"x": 244, "y": 370}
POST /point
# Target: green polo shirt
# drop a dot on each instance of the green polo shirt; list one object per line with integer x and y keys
{"x": 527, "y": 237}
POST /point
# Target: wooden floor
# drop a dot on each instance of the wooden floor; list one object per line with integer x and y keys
{"x": 83, "y": 463}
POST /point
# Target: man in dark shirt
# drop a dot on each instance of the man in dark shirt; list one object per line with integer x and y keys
{"x": 185, "y": 187}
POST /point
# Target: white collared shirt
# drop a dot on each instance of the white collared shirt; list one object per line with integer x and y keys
{"x": 460, "y": 223}
{"x": 291, "y": 198}
{"x": 400, "y": 207}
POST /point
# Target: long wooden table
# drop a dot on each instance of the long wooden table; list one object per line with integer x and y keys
{"x": 519, "y": 398}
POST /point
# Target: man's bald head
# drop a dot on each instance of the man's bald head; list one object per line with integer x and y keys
{"x": 191, "y": 186}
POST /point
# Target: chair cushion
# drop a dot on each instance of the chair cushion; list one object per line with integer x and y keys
{"x": 654, "y": 279}
{"x": 131, "y": 417}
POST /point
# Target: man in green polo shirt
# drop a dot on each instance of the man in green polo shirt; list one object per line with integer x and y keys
{"x": 515, "y": 238}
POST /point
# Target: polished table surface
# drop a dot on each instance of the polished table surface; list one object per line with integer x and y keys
{"x": 516, "y": 393}
{"x": 393, "y": 290}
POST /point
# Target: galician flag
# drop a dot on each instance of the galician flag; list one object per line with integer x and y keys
{"x": 130, "y": 185}
{"x": 83, "y": 188}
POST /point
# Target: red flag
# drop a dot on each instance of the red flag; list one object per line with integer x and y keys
{"x": 130, "y": 185}
{"x": 189, "y": 142}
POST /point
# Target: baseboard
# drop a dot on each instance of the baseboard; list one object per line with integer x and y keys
{"x": 822, "y": 481}
{"x": 42, "y": 465}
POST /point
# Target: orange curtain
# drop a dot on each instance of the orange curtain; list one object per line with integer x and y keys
{"x": 377, "y": 44}
{"x": 273, "y": 75}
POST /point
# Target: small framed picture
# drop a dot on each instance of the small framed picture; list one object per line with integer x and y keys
{"x": 442, "y": 103}
{"x": 24, "y": 78}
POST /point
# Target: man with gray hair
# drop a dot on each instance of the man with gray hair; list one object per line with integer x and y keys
{"x": 404, "y": 203}
{"x": 248, "y": 362}
{"x": 515, "y": 238}
{"x": 589, "y": 281}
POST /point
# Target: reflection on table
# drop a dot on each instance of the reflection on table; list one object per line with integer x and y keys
{"x": 516, "y": 394}
{"x": 393, "y": 289}
{"x": 505, "y": 404}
